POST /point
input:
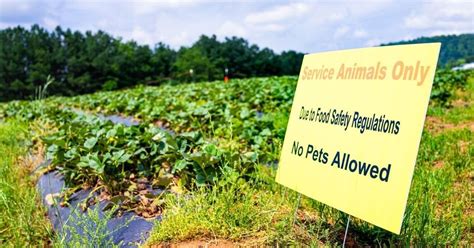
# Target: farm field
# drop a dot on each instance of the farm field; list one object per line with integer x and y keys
{"x": 211, "y": 149}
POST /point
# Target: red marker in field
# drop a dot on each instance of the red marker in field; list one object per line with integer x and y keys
{"x": 226, "y": 77}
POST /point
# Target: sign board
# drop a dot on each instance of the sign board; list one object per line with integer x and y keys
{"x": 355, "y": 127}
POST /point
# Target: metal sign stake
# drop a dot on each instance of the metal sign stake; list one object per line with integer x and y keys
{"x": 345, "y": 234}
{"x": 296, "y": 208}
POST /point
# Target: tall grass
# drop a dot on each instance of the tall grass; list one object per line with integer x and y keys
{"x": 247, "y": 212}
{"x": 230, "y": 210}
{"x": 22, "y": 218}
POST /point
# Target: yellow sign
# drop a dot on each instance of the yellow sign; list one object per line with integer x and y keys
{"x": 355, "y": 127}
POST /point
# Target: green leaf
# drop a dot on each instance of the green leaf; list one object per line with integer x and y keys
{"x": 124, "y": 158}
{"x": 111, "y": 133}
{"x": 211, "y": 149}
{"x": 266, "y": 132}
{"x": 244, "y": 113}
{"x": 252, "y": 156}
{"x": 141, "y": 150}
{"x": 90, "y": 143}
{"x": 96, "y": 164}
{"x": 158, "y": 136}
{"x": 200, "y": 179}
{"x": 71, "y": 153}
{"x": 179, "y": 165}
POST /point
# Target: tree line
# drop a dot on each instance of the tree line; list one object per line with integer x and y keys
{"x": 87, "y": 62}
{"x": 455, "y": 49}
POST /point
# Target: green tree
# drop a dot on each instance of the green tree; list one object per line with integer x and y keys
{"x": 290, "y": 62}
{"x": 453, "y": 47}
{"x": 162, "y": 61}
{"x": 192, "y": 65}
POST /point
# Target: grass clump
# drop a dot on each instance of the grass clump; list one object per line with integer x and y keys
{"x": 231, "y": 209}
{"x": 439, "y": 206}
{"x": 22, "y": 219}
{"x": 253, "y": 211}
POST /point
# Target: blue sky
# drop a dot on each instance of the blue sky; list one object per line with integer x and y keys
{"x": 306, "y": 26}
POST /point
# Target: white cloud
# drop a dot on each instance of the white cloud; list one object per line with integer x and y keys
{"x": 15, "y": 6}
{"x": 337, "y": 16}
{"x": 416, "y": 21}
{"x": 442, "y": 17}
{"x": 362, "y": 7}
{"x": 102, "y": 24}
{"x": 50, "y": 23}
{"x": 229, "y": 28}
{"x": 373, "y": 42}
{"x": 180, "y": 39}
{"x": 271, "y": 27}
{"x": 341, "y": 31}
{"x": 150, "y": 6}
{"x": 139, "y": 34}
{"x": 22, "y": 12}
{"x": 360, "y": 33}
{"x": 278, "y": 13}
{"x": 4, "y": 25}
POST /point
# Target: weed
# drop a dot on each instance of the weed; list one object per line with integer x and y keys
{"x": 22, "y": 220}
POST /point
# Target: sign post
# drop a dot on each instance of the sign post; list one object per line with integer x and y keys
{"x": 355, "y": 127}
{"x": 345, "y": 233}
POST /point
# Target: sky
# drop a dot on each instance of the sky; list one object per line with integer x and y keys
{"x": 305, "y": 26}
